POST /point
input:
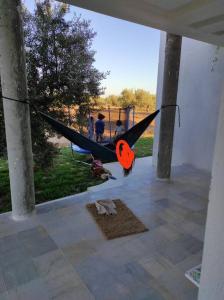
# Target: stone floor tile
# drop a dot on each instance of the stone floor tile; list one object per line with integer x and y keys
{"x": 36, "y": 233}
{"x": 169, "y": 231}
{"x": 193, "y": 229}
{"x": 40, "y": 247}
{"x": 161, "y": 290}
{"x": 155, "y": 265}
{"x": 181, "y": 248}
{"x": 76, "y": 293}
{"x": 198, "y": 217}
{"x": 106, "y": 287}
{"x": 9, "y": 242}
{"x": 170, "y": 216}
{"x": 138, "y": 272}
{"x": 3, "y": 287}
{"x": 5, "y": 296}
{"x": 106, "y": 281}
{"x": 193, "y": 201}
{"x": 137, "y": 282}
{"x": 62, "y": 284}
{"x": 151, "y": 220}
{"x": 191, "y": 244}
{"x": 190, "y": 262}
{"x": 34, "y": 290}
{"x": 153, "y": 240}
{"x": 135, "y": 248}
{"x": 37, "y": 241}
{"x": 178, "y": 285}
{"x": 175, "y": 252}
{"x": 14, "y": 256}
{"x": 164, "y": 202}
{"x": 19, "y": 273}
{"x": 79, "y": 251}
{"x": 51, "y": 263}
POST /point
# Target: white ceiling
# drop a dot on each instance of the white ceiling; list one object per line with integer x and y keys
{"x": 199, "y": 19}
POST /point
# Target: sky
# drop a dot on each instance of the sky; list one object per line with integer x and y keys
{"x": 129, "y": 51}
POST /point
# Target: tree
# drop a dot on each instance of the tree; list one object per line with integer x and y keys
{"x": 112, "y": 100}
{"x": 139, "y": 98}
{"x": 127, "y": 98}
{"x": 145, "y": 99}
{"x": 60, "y": 69}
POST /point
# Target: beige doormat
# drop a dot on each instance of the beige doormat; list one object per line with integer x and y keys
{"x": 122, "y": 224}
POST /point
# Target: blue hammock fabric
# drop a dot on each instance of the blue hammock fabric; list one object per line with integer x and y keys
{"x": 80, "y": 150}
{"x": 107, "y": 152}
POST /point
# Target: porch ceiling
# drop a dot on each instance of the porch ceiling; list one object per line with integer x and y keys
{"x": 199, "y": 19}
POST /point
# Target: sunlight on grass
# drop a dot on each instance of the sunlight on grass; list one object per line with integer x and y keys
{"x": 66, "y": 177}
{"x": 143, "y": 147}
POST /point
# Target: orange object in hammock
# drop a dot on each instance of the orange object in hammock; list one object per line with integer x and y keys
{"x": 124, "y": 153}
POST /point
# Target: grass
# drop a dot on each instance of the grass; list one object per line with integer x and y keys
{"x": 143, "y": 147}
{"x": 66, "y": 176}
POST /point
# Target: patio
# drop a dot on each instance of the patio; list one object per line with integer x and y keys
{"x": 60, "y": 253}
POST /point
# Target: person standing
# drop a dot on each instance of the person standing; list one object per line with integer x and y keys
{"x": 91, "y": 128}
{"x": 119, "y": 129}
{"x": 99, "y": 128}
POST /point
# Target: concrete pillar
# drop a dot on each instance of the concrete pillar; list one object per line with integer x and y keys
{"x": 212, "y": 277}
{"x": 17, "y": 115}
{"x": 169, "y": 97}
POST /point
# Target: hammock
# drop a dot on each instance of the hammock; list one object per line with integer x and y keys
{"x": 133, "y": 134}
{"x": 97, "y": 150}
{"x": 106, "y": 152}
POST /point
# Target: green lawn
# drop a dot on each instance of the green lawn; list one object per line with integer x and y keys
{"x": 144, "y": 147}
{"x": 66, "y": 177}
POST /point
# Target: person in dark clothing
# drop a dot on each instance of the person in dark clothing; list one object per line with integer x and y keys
{"x": 99, "y": 128}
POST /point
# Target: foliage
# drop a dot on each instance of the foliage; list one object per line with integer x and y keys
{"x": 139, "y": 98}
{"x": 145, "y": 99}
{"x": 127, "y": 97}
{"x": 60, "y": 69}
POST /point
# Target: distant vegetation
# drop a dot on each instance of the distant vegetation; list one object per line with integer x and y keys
{"x": 141, "y": 99}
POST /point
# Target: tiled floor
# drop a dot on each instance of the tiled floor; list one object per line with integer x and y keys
{"x": 60, "y": 253}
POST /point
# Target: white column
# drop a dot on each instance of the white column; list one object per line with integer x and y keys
{"x": 212, "y": 278}
{"x": 17, "y": 115}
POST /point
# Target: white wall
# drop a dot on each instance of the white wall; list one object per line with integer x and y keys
{"x": 199, "y": 93}
{"x": 212, "y": 278}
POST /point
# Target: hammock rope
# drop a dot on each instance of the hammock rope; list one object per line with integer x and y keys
{"x": 107, "y": 152}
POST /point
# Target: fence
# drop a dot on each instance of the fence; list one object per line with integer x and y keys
{"x": 111, "y": 116}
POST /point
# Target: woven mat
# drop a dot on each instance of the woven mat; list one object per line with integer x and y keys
{"x": 122, "y": 224}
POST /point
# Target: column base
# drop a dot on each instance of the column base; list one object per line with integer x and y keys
{"x": 20, "y": 218}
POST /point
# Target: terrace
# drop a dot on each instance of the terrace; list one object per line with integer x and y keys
{"x": 55, "y": 250}
{"x": 60, "y": 252}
